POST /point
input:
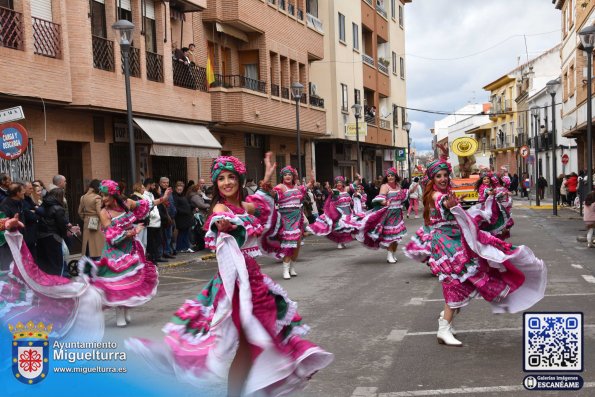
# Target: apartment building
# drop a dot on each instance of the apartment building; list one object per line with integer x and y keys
{"x": 259, "y": 49}
{"x": 364, "y": 64}
{"x": 65, "y": 69}
{"x": 575, "y": 15}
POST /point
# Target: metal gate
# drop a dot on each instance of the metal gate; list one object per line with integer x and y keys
{"x": 21, "y": 169}
{"x": 175, "y": 168}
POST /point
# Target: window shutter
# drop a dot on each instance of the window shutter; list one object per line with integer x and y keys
{"x": 41, "y": 9}
{"x": 125, "y": 5}
{"x": 150, "y": 9}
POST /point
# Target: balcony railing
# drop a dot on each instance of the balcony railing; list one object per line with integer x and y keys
{"x": 383, "y": 68}
{"x": 384, "y": 124}
{"x": 274, "y": 90}
{"x": 189, "y": 76}
{"x": 11, "y": 29}
{"x": 282, "y": 4}
{"x": 284, "y": 92}
{"x": 508, "y": 105}
{"x": 520, "y": 140}
{"x": 368, "y": 60}
{"x": 371, "y": 120}
{"x": 369, "y": 2}
{"x": 103, "y": 53}
{"x": 315, "y": 23}
{"x": 237, "y": 81}
{"x": 300, "y": 14}
{"x": 304, "y": 99}
{"x": 46, "y": 38}
{"x": 154, "y": 67}
{"x": 381, "y": 10}
{"x": 291, "y": 9}
{"x": 133, "y": 61}
{"x": 272, "y": 1}
{"x": 317, "y": 101}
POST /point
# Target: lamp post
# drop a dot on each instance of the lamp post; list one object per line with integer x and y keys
{"x": 407, "y": 128}
{"x": 125, "y": 28}
{"x": 535, "y": 113}
{"x": 297, "y": 89}
{"x": 357, "y": 112}
{"x": 587, "y": 36}
{"x": 552, "y": 86}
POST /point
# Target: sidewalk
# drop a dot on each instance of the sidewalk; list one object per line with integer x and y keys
{"x": 181, "y": 259}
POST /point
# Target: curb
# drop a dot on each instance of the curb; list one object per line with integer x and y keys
{"x": 202, "y": 258}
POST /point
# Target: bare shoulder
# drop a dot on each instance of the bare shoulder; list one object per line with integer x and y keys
{"x": 220, "y": 208}
{"x": 281, "y": 187}
{"x": 384, "y": 189}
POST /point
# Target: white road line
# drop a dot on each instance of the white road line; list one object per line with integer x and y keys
{"x": 365, "y": 392}
{"x": 546, "y": 295}
{"x": 415, "y": 302}
{"x": 473, "y": 331}
{"x": 588, "y": 278}
{"x": 397, "y": 335}
{"x": 576, "y": 266}
{"x": 181, "y": 278}
{"x": 465, "y": 390}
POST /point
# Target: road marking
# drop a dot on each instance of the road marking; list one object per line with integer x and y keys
{"x": 576, "y": 266}
{"x": 545, "y": 296}
{"x": 396, "y": 335}
{"x": 415, "y": 302}
{"x": 182, "y": 278}
{"x": 365, "y": 392}
{"x": 588, "y": 278}
{"x": 465, "y": 390}
{"x": 474, "y": 331}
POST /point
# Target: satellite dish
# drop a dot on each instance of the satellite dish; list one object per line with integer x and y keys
{"x": 383, "y": 112}
{"x": 313, "y": 89}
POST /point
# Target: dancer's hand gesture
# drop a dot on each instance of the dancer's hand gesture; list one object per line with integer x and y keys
{"x": 451, "y": 201}
{"x": 269, "y": 166}
{"x": 225, "y": 226}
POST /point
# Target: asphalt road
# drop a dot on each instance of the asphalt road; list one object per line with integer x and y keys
{"x": 380, "y": 319}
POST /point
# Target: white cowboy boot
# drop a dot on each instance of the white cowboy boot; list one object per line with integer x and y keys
{"x": 286, "y": 275}
{"x": 127, "y": 315}
{"x": 445, "y": 335}
{"x": 452, "y": 328}
{"x": 389, "y": 257}
{"x": 340, "y": 246}
{"x": 292, "y": 271}
{"x": 394, "y": 254}
{"x": 120, "y": 317}
{"x": 590, "y": 237}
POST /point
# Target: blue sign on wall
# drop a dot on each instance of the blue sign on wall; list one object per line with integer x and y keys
{"x": 13, "y": 141}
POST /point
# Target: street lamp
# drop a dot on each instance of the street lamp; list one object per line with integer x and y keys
{"x": 357, "y": 112}
{"x": 125, "y": 28}
{"x": 552, "y": 87}
{"x": 535, "y": 113}
{"x": 587, "y": 36}
{"x": 407, "y": 128}
{"x": 297, "y": 89}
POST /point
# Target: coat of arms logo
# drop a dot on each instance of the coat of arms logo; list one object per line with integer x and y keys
{"x": 30, "y": 351}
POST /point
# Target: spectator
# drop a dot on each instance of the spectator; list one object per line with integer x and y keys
{"x": 5, "y": 182}
{"x": 184, "y": 219}
{"x": 13, "y": 205}
{"x": 564, "y": 190}
{"x": 314, "y": 205}
{"x": 138, "y": 193}
{"x": 167, "y": 213}
{"x": 514, "y": 184}
{"x": 39, "y": 182}
{"x": 59, "y": 181}
{"x": 541, "y": 186}
{"x": 200, "y": 205}
{"x": 251, "y": 187}
{"x": 191, "y": 56}
{"x": 52, "y": 231}
{"x": 188, "y": 186}
{"x": 31, "y": 218}
{"x": 38, "y": 193}
{"x": 154, "y": 226}
{"x": 589, "y": 217}
{"x": 89, "y": 209}
{"x": 572, "y": 186}
{"x": 415, "y": 192}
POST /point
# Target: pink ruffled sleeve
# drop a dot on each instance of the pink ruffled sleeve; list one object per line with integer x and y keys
{"x": 142, "y": 209}
{"x": 114, "y": 235}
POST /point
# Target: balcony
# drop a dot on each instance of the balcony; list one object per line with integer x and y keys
{"x": 11, "y": 29}
{"x": 237, "y": 81}
{"x": 275, "y": 90}
{"x": 317, "y": 102}
{"x": 46, "y": 38}
{"x": 291, "y": 9}
{"x": 383, "y": 67}
{"x": 103, "y": 53}
{"x": 384, "y": 124}
{"x": 369, "y": 2}
{"x": 154, "y": 67}
{"x": 520, "y": 139}
{"x": 133, "y": 61}
{"x": 380, "y": 9}
{"x": 282, "y": 5}
{"x": 368, "y": 60}
{"x": 189, "y": 76}
{"x": 304, "y": 99}
{"x": 315, "y": 23}
{"x": 300, "y": 14}
{"x": 371, "y": 120}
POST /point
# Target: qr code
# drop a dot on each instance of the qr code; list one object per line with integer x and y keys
{"x": 553, "y": 342}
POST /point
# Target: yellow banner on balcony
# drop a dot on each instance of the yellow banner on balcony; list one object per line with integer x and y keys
{"x": 350, "y": 129}
{"x": 464, "y": 146}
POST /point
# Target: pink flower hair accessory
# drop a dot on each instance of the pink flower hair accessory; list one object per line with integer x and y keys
{"x": 391, "y": 171}
{"x": 109, "y": 187}
{"x": 227, "y": 163}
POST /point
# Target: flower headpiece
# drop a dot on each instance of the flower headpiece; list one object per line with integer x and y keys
{"x": 228, "y": 163}
{"x": 391, "y": 171}
{"x": 109, "y": 187}
{"x": 289, "y": 170}
{"x": 489, "y": 174}
{"x": 506, "y": 181}
{"x": 339, "y": 179}
{"x": 433, "y": 168}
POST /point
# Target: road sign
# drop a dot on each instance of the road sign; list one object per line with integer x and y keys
{"x": 11, "y": 114}
{"x": 565, "y": 159}
{"x": 13, "y": 141}
{"x": 530, "y": 159}
{"x": 524, "y": 151}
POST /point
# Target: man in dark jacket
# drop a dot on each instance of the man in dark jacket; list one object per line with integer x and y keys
{"x": 13, "y": 204}
{"x": 53, "y": 227}
{"x": 5, "y": 182}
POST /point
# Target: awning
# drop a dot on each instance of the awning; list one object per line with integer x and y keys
{"x": 231, "y": 31}
{"x": 179, "y": 139}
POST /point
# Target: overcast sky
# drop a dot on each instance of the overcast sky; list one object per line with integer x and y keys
{"x": 455, "y": 47}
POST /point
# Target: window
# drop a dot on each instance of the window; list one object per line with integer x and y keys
{"x": 125, "y": 9}
{"x": 357, "y": 96}
{"x": 395, "y": 63}
{"x": 392, "y": 9}
{"x": 341, "y": 27}
{"x": 403, "y": 117}
{"x": 571, "y": 83}
{"x": 150, "y": 27}
{"x": 400, "y": 15}
{"x": 312, "y": 7}
{"x": 402, "y": 64}
{"x": 344, "y": 101}
{"x": 355, "y": 36}
{"x": 98, "y": 27}
{"x": 395, "y": 115}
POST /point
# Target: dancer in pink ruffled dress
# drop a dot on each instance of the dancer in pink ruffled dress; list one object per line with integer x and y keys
{"x": 242, "y": 326}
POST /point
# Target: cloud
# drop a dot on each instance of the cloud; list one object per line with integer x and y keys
{"x": 487, "y": 38}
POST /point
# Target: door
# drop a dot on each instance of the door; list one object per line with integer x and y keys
{"x": 70, "y": 164}
{"x": 175, "y": 168}
{"x": 254, "y": 150}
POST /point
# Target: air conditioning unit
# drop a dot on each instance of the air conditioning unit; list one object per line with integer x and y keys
{"x": 313, "y": 89}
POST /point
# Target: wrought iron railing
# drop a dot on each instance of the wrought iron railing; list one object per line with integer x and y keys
{"x": 46, "y": 38}
{"x": 189, "y": 76}
{"x": 383, "y": 68}
{"x": 384, "y": 124}
{"x": 103, "y": 53}
{"x": 369, "y": 2}
{"x": 290, "y": 9}
{"x": 11, "y": 29}
{"x": 317, "y": 101}
{"x": 314, "y": 22}
{"x": 304, "y": 99}
{"x": 368, "y": 60}
{"x": 381, "y": 10}
{"x": 284, "y": 92}
{"x": 274, "y": 90}
{"x": 282, "y": 4}
{"x": 133, "y": 61}
{"x": 154, "y": 67}
{"x": 371, "y": 120}
{"x": 237, "y": 81}
{"x": 300, "y": 14}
